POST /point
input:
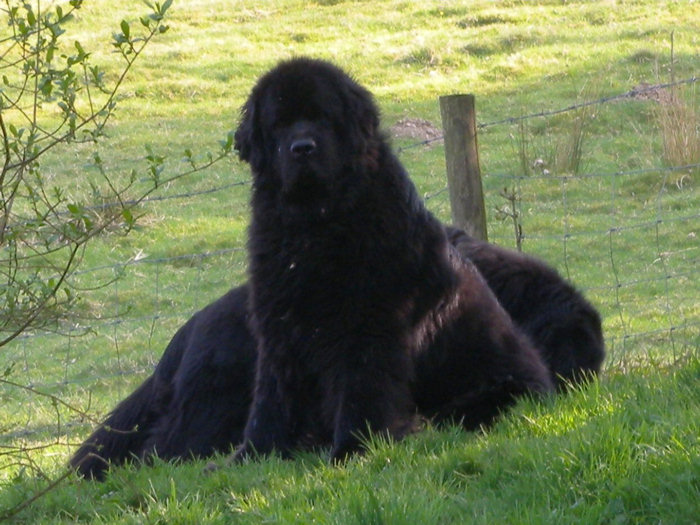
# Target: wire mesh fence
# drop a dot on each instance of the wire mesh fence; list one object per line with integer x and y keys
{"x": 627, "y": 238}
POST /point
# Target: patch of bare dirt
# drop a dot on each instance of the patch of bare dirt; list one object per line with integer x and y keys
{"x": 415, "y": 128}
{"x": 646, "y": 91}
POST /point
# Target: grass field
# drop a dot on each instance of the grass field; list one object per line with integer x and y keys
{"x": 623, "y": 227}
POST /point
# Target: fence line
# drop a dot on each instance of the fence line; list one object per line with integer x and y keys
{"x": 427, "y": 197}
{"x": 623, "y": 173}
{"x": 620, "y": 283}
{"x": 508, "y": 120}
{"x": 111, "y": 321}
{"x": 189, "y": 194}
{"x": 632, "y": 93}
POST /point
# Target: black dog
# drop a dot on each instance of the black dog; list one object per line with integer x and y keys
{"x": 198, "y": 398}
{"x": 351, "y": 278}
{"x": 565, "y": 328}
{"x": 196, "y": 401}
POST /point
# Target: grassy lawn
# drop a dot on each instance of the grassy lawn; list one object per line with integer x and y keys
{"x": 623, "y": 226}
{"x": 622, "y": 451}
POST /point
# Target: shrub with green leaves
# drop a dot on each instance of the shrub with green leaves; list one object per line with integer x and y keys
{"x": 51, "y": 97}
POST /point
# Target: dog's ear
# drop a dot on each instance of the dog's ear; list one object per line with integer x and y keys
{"x": 363, "y": 119}
{"x": 248, "y": 138}
{"x": 364, "y": 111}
{"x": 243, "y": 138}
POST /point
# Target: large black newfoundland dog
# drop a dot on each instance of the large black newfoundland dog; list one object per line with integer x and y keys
{"x": 351, "y": 278}
{"x": 359, "y": 311}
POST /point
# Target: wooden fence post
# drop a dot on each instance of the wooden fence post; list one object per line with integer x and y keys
{"x": 462, "y": 160}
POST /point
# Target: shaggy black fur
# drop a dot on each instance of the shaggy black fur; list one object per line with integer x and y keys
{"x": 564, "y": 326}
{"x": 198, "y": 398}
{"x": 179, "y": 404}
{"x": 351, "y": 277}
{"x": 195, "y": 402}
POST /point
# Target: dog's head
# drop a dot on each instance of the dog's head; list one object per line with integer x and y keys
{"x": 306, "y": 130}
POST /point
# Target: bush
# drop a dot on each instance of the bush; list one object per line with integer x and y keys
{"x": 52, "y": 97}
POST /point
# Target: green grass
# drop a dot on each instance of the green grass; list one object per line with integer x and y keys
{"x": 625, "y": 449}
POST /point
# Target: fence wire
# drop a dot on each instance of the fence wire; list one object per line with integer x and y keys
{"x": 117, "y": 346}
{"x": 632, "y": 93}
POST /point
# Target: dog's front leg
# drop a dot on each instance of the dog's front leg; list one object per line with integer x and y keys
{"x": 375, "y": 397}
{"x": 268, "y": 426}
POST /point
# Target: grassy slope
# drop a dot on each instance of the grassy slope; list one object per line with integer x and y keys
{"x": 622, "y": 451}
{"x": 518, "y": 58}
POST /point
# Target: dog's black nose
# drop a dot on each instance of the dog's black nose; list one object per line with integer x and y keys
{"x": 303, "y": 147}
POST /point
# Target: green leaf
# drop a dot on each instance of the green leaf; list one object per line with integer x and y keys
{"x": 45, "y": 86}
{"x": 82, "y": 55}
{"x": 125, "y": 28}
{"x": 227, "y": 144}
{"x": 166, "y": 5}
{"x": 8, "y": 370}
{"x": 128, "y": 217}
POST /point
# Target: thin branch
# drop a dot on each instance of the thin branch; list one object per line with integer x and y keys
{"x": 130, "y": 59}
{"x": 54, "y": 399}
{"x": 26, "y": 503}
{"x": 33, "y": 315}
